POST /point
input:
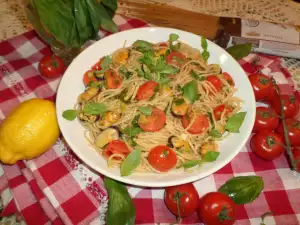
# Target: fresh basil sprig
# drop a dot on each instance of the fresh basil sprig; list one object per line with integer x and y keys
{"x": 121, "y": 210}
{"x": 239, "y": 51}
{"x": 146, "y": 110}
{"x": 131, "y": 162}
{"x": 205, "y": 54}
{"x": 142, "y": 46}
{"x": 235, "y": 122}
{"x": 215, "y": 133}
{"x": 70, "y": 114}
{"x": 190, "y": 91}
{"x": 191, "y": 163}
{"x": 172, "y": 39}
{"x": 243, "y": 189}
{"x": 106, "y": 62}
{"x": 211, "y": 156}
{"x": 95, "y": 109}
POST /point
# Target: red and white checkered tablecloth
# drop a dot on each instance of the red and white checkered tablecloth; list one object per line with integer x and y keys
{"x": 57, "y": 188}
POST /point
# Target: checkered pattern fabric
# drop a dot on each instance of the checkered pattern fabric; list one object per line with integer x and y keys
{"x": 58, "y": 188}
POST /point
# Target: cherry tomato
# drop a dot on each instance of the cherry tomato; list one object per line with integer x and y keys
{"x": 262, "y": 86}
{"x": 112, "y": 79}
{"x": 290, "y": 106}
{"x": 97, "y": 65}
{"x": 216, "y": 208}
{"x": 182, "y": 200}
{"x": 146, "y": 90}
{"x": 265, "y": 119}
{"x": 162, "y": 158}
{"x": 116, "y": 147}
{"x": 220, "y": 109}
{"x": 228, "y": 78}
{"x": 296, "y": 154}
{"x": 51, "y": 66}
{"x": 215, "y": 81}
{"x": 163, "y": 44}
{"x": 154, "y": 122}
{"x": 89, "y": 77}
{"x": 200, "y": 124}
{"x": 293, "y": 127}
{"x": 267, "y": 144}
{"x": 175, "y": 58}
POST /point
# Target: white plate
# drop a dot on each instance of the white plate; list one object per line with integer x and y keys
{"x": 71, "y": 86}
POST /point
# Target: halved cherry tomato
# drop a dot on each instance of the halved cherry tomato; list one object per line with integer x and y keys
{"x": 296, "y": 154}
{"x": 163, "y": 45}
{"x": 216, "y": 208}
{"x": 182, "y": 200}
{"x": 51, "y": 66}
{"x": 162, "y": 158}
{"x": 112, "y": 79}
{"x": 220, "y": 109}
{"x": 262, "y": 86}
{"x": 175, "y": 58}
{"x": 228, "y": 78}
{"x": 265, "y": 119}
{"x": 267, "y": 144}
{"x": 154, "y": 122}
{"x": 215, "y": 81}
{"x": 97, "y": 65}
{"x": 293, "y": 127}
{"x": 200, "y": 124}
{"x": 89, "y": 77}
{"x": 146, "y": 90}
{"x": 116, "y": 147}
{"x": 290, "y": 106}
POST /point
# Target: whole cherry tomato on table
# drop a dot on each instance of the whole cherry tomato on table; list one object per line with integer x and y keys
{"x": 162, "y": 158}
{"x": 290, "y": 106}
{"x": 296, "y": 154}
{"x": 265, "y": 119}
{"x": 51, "y": 66}
{"x": 293, "y": 127}
{"x": 182, "y": 200}
{"x": 262, "y": 86}
{"x": 267, "y": 144}
{"x": 216, "y": 208}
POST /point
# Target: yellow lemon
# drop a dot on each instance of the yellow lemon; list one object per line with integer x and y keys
{"x": 28, "y": 131}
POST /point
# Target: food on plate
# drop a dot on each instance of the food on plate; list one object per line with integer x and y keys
{"x": 267, "y": 144}
{"x": 293, "y": 130}
{"x": 51, "y": 66}
{"x": 28, "y": 131}
{"x": 182, "y": 200}
{"x": 265, "y": 119}
{"x": 216, "y": 208}
{"x": 163, "y": 99}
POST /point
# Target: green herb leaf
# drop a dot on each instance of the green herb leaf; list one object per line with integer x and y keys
{"x": 131, "y": 162}
{"x": 70, "y": 114}
{"x": 164, "y": 80}
{"x": 146, "y": 110}
{"x": 243, "y": 189}
{"x": 132, "y": 131}
{"x": 215, "y": 133}
{"x": 211, "y": 156}
{"x": 106, "y": 62}
{"x": 121, "y": 209}
{"x": 191, "y": 163}
{"x": 190, "y": 91}
{"x": 125, "y": 72}
{"x": 198, "y": 77}
{"x": 95, "y": 109}
{"x": 143, "y": 46}
{"x": 235, "y": 122}
{"x": 162, "y": 67}
{"x": 173, "y": 37}
{"x": 205, "y": 54}
{"x": 179, "y": 101}
{"x": 239, "y": 51}
{"x": 147, "y": 58}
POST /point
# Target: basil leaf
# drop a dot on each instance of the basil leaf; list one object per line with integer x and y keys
{"x": 173, "y": 37}
{"x": 105, "y": 63}
{"x": 131, "y": 162}
{"x": 205, "y": 54}
{"x": 198, "y": 77}
{"x": 190, "y": 91}
{"x": 235, "y": 122}
{"x": 143, "y": 46}
{"x": 147, "y": 58}
{"x": 162, "y": 67}
{"x": 243, "y": 189}
{"x": 239, "y": 51}
{"x": 215, "y": 133}
{"x": 111, "y": 4}
{"x": 164, "y": 80}
{"x": 146, "y": 110}
{"x": 132, "y": 131}
{"x": 70, "y": 114}
{"x": 125, "y": 72}
{"x": 95, "y": 109}
{"x": 211, "y": 156}
{"x": 191, "y": 163}
{"x": 121, "y": 209}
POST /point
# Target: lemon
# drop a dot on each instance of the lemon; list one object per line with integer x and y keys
{"x": 28, "y": 131}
